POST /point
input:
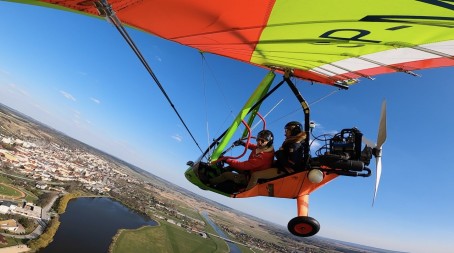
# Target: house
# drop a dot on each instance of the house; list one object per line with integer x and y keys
{"x": 7, "y": 206}
{"x": 41, "y": 186}
{"x": 203, "y": 234}
{"x": 7, "y": 154}
{"x": 4, "y": 209}
{"x": 10, "y": 225}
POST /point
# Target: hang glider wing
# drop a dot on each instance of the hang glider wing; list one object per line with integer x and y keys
{"x": 325, "y": 41}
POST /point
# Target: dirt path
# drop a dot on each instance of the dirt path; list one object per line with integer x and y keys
{"x": 22, "y": 194}
{"x": 15, "y": 249}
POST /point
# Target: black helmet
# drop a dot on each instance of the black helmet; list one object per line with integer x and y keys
{"x": 266, "y": 135}
{"x": 295, "y": 127}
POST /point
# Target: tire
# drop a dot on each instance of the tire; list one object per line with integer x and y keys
{"x": 303, "y": 226}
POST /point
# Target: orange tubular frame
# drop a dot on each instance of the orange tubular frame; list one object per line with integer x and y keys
{"x": 302, "y": 202}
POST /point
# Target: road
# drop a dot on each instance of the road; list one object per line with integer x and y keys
{"x": 45, "y": 217}
{"x": 28, "y": 179}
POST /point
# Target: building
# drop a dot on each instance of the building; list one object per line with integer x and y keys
{"x": 10, "y": 225}
{"x": 7, "y": 206}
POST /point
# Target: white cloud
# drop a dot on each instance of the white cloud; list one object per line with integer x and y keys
{"x": 67, "y": 95}
{"x": 40, "y": 108}
{"x": 316, "y": 145}
{"x": 76, "y": 113}
{"x": 177, "y": 137}
{"x": 2, "y": 71}
{"x": 18, "y": 98}
{"x": 13, "y": 88}
{"x": 95, "y": 100}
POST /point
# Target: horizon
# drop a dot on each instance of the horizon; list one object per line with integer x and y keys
{"x": 284, "y": 229}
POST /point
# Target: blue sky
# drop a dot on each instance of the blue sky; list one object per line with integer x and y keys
{"x": 79, "y": 76}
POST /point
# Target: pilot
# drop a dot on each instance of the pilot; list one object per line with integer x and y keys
{"x": 260, "y": 158}
{"x": 289, "y": 156}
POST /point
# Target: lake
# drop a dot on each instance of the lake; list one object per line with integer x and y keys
{"x": 89, "y": 224}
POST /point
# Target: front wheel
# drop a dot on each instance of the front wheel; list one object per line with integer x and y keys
{"x": 303, "y": 226}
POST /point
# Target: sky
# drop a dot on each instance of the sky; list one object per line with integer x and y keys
{"x": 78, "y": 75}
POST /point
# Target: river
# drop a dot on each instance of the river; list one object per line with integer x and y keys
{"x": 233, "y": 248}
{"x": 89, "y": 224}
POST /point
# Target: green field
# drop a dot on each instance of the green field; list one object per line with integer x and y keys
{"x": 30, "y": 197}
{"x": 11, "y": 242}
{"x": 4, "y": 179}
{"x": 189, "y": 211}
{"x": 166, "y": 238}
{"x": 9, "y": 191}
{"x": 242, "y": 247}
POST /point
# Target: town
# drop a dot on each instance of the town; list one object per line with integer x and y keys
{"x": 55, "y": 164}
{"x": 40, "y": 166}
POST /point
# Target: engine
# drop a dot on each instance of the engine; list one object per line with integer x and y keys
{"x": 342, "y": 154}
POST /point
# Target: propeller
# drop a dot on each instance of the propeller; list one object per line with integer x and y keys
{"x": 377, "y": 148}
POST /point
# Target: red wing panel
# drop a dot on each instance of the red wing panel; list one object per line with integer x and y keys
{"x": 221, "y": 27}
{"x": 312, "y": 38}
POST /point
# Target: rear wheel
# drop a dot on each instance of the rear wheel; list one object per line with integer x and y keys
{"x": 303, "y": 226}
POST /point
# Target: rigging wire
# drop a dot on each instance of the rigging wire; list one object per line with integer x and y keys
{"x": 322, "y": 98}
{"x": 205, "y": 65}
{"x": 310, "y": 104}
{"x": 106, "y": 9}
{"x": 221, "y": 91}
{"x": 205, "y": 97}
{"x": 217, "y": 83}
{"x": 272, "y": 109}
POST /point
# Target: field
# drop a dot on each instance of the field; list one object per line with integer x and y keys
{"x": 4, "y": 179}
{"x": 7, "y": 191}
{"x": 30, "y": 196}
{"x": 165, "y": 238}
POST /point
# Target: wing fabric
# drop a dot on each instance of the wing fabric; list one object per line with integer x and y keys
{"x": 326, "y": 41}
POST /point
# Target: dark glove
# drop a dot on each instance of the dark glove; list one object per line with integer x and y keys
{"x": 238, "y": 143}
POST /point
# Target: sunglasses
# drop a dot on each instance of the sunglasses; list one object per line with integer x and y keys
{"x": 261, "y": 140}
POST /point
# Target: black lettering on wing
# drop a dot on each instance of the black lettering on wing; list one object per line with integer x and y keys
{"x": 423, "y": 20}
{"x": 338, "y": 35}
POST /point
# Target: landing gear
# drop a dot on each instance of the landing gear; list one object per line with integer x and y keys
{"x": 303, "y": 226}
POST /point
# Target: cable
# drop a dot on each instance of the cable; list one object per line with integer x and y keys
{"x": 310, "y": 104}
{"x": 221, "y": 91}
{"x": 205, "y": 98}
{"x": 267, "y": 113}
{"x": 112, "y": 18}
{"x": 320, "y": 99}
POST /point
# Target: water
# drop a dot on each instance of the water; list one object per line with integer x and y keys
{"x": 89, "y": 224}
{"x": 233, "y": 248}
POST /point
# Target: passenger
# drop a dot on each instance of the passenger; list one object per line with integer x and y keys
{"x": 261, "y": 158}
{"x": 289, "y": 156}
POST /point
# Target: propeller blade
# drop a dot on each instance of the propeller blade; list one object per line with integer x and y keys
{"x": 381, "y": 138}
{"x": 382, "y": 126}
{"x": 368, "y": 142}
{"x": 377, "y": 178}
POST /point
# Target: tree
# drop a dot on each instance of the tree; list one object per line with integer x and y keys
{"x": 45, "y": 198}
